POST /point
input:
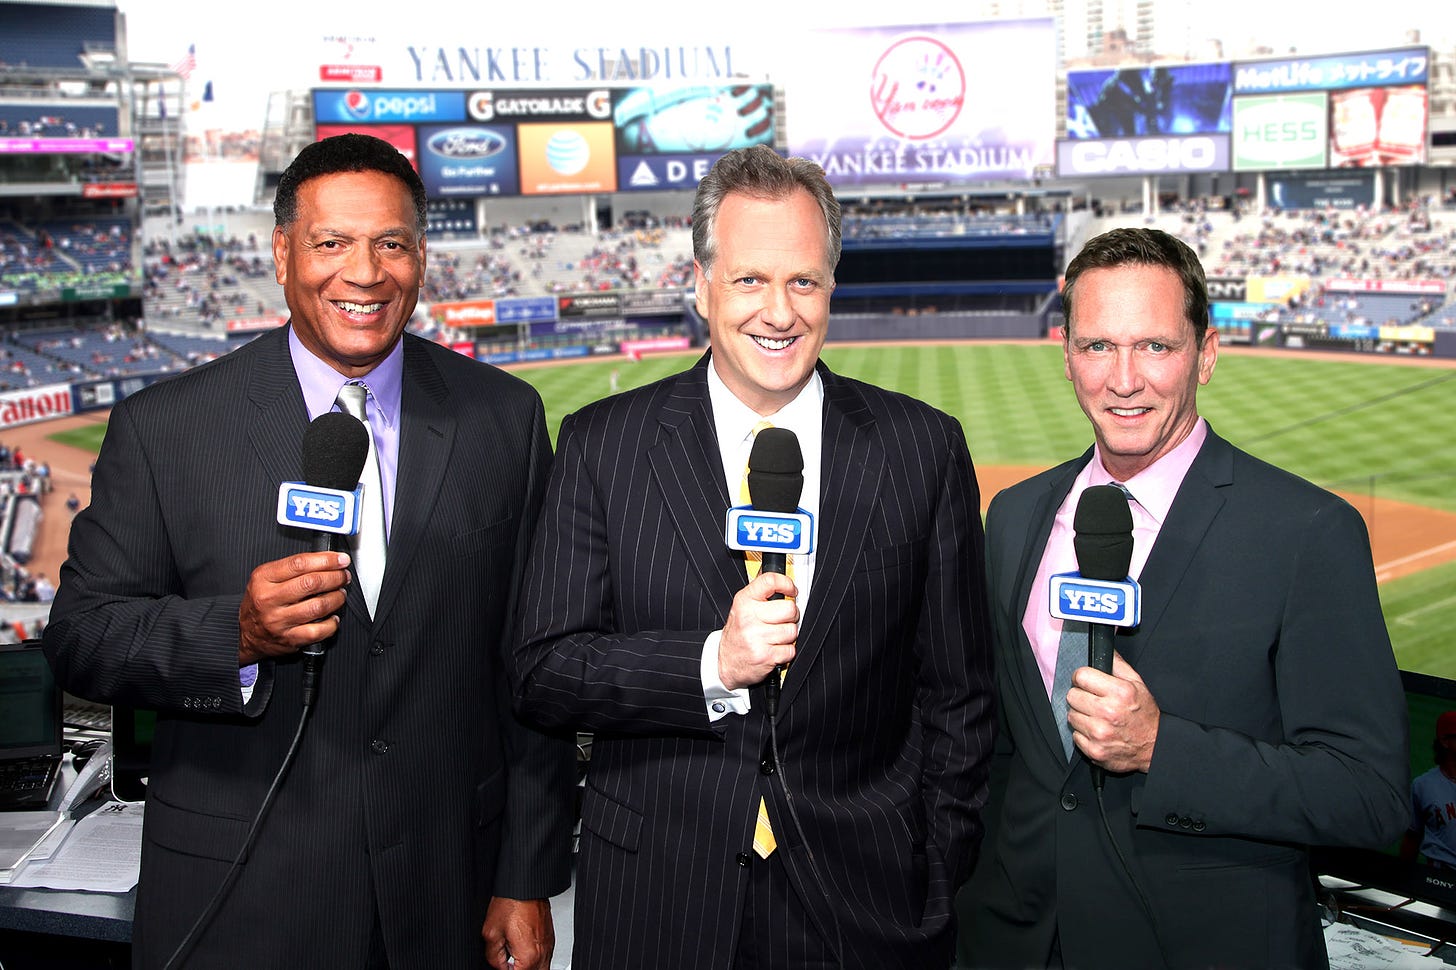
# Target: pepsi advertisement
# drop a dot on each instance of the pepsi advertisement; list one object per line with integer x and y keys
{"x": 1135, "y": 102}
{"x": 470, "y": 160}
{"x": 355, "y": 106}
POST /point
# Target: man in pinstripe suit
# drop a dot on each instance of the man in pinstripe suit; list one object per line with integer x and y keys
{"x": 640, "y": 626}
{"x": 419, "y": 815}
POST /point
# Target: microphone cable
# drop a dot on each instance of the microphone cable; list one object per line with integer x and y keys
{"x": 837, "y": 947}
{"x": 1132, "y": 879}
{"x": 194, "y": 934}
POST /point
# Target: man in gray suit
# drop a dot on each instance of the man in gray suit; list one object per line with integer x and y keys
{"x": 420, "y": 825}
{"x": 835, "y": 834}
{"x": 1255, "y": 710}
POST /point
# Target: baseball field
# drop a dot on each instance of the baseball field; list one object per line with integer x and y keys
{"x": 1381, "y": 432}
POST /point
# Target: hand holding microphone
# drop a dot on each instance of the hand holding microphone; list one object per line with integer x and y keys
{"x": 290, "y": 604}
{"x": 762, "y": 626}
{"x": 1101, "y": 595}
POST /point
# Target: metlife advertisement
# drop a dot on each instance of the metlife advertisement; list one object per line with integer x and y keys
{"x": 925, "y": 105}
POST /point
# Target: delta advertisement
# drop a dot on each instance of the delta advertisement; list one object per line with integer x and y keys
{"x": 1147, "y": 120}
{"x": 668, "y": 138}
{"x": 928, "y": 105}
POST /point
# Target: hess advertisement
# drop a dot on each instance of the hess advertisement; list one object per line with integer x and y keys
{"x": 944, "y": 104}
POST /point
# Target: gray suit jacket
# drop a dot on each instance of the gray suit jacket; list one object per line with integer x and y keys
{"x": 885, "y": 721}
{"x": 1283, "y": 725}
{"x": 415, "y": 793}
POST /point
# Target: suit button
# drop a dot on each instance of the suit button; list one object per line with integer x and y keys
{"x": 766, "y": 766}
{"x": 1198, "y": 825}
{"x": 376, "y": 648}
{"x": 1069, "y": 802}
{"x": 1185, "y": 822}
{"x": 743, "y": 859}
{"x": 378, "y": 746}
{"x": 1172, "y": 819}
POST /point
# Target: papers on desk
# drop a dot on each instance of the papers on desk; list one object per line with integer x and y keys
{"x": 1354, "y": 948}
{"x": 20, "y": 835}
{"x": 99, "y": 853}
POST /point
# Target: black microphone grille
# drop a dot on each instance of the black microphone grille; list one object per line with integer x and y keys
{"x": 775, "y": 470}
{"x": 335, "y": 447}
{"x": 1102, "y": 533}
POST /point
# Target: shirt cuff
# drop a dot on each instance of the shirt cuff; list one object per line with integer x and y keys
{"x": 720, "y": 700}
{"x": 247, "y": 677}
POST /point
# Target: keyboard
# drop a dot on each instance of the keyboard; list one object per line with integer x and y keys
{"x": 27, "y": 782}
{"x": 84, "y": 716}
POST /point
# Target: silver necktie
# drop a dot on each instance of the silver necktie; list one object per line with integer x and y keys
{"x": 369, "y": 544}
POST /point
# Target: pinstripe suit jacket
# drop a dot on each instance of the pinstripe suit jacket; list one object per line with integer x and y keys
{"x": 415, "y": 790}
{"x": 1282, "y": 726}
{"x": 885, "y": 721}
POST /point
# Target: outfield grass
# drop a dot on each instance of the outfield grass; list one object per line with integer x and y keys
{"x": 1370, "y": 428}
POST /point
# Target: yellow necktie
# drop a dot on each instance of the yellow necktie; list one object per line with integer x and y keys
{"x": 764, "y": 842}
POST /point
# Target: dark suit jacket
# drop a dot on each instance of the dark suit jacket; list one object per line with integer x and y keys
{"x": 1283, "y": 725}
{"x": 885, "y": 722}
{"x": 415, "y": 791}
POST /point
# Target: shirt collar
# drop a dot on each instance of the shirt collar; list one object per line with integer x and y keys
{"x": 320, "y": 382}
{"x": 1155, "y": 487}
{"x": 735, "y": 420}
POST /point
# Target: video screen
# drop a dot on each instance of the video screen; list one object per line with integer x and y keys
{"x": 1131, "y": 102}
{"x": 1371, "y": 127}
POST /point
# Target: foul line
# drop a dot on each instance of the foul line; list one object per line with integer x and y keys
{"x": 1413, "y": 557}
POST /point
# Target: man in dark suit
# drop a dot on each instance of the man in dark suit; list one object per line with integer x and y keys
{"x": 1255, "y": 710}
{"x": 419, "y": 815}
{"x": 639, "y": 625}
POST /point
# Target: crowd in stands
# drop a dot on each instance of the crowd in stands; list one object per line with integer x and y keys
{"x": 51, "y": 126}
{"x": 62, "y": 253}
{"x": 24, "y": 482}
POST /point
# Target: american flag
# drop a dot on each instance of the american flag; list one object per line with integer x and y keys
{"x": 188, "y": 63}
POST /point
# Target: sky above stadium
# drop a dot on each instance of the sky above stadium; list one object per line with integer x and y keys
{"x": 250, "y": 50}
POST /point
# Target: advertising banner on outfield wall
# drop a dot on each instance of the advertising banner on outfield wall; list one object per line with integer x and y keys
{"x": 916, "y": 105}
{"x": 35, "y": 404}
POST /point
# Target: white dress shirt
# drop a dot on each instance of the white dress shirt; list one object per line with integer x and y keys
{"x": 734, "y": 422}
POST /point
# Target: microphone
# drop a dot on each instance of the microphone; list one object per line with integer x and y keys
{"x": 773, "y": 525}
{"x": 335, "y": 447}
{"x": 1100, "y": 592}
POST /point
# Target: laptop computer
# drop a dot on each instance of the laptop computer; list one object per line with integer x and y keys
{"x": 30, "y": 727}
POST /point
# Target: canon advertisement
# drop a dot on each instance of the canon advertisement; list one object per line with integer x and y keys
{"x": 942, "y": 104}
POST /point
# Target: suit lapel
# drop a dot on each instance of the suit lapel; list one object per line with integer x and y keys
{"x": 276, "y": 435}
{"x": 687, "y": 465}
{"x": 427, "y": 433}
{"x": 1196, "y": 505}
{"x": 852, "y": 466}
{"x": 1027, "y": 681}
